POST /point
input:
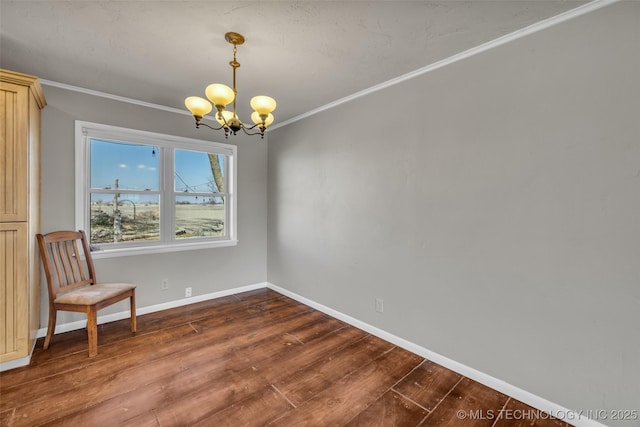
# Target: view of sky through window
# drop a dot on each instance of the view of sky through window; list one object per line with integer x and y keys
{"x": 137, "y": 167}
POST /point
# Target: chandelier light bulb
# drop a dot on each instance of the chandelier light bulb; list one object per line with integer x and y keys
{"x": 220, "y": 94}
{"x": 263, "y": 104}
{"x": 255, "y": 117}
{"x": 228, "y": 115}
{"x": 199, "y": 107}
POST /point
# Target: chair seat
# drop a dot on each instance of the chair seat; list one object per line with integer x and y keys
{"x": 89, "y": 295}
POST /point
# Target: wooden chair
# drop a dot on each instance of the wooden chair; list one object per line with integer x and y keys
{"x": 71, "y": 279}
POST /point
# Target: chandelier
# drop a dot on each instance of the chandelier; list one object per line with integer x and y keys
{"x": 222, "y": 95}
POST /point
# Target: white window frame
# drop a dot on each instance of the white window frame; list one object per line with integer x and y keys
{"x": 85, "y": 131}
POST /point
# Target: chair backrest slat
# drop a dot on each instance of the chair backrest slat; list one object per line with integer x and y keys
{"x": 77, "y": 273}
{"x": 66, "y": 267}
{"x": 65, "y": 257}
{"x": 54, "y": 250}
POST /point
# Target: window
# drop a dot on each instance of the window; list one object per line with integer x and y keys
{"x": 142, "y": 192}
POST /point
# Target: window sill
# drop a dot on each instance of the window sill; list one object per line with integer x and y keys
{"x": 158, "y": 249}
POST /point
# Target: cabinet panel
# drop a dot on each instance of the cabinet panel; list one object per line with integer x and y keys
{"x": 14, "y": 304}
{"x": 21, "y": 99}
{"x": 13, "y": 152}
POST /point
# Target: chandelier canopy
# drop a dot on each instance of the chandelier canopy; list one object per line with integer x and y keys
{"x": 222, "y": 95}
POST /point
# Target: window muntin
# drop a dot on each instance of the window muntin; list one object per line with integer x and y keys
{"x": 140, "y": 192}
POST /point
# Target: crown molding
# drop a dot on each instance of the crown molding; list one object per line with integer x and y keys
{"x": 515, "y": 35}
{"x": 112, "y": 97}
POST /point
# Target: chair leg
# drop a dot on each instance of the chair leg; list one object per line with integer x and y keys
{"x": 51, "y": 327}
{"x": 134, "y": 325}
{"x": 92, "y": 331}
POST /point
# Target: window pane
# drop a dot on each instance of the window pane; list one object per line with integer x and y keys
{"x": 134, "y": 167}
{"x": 198, "y": 172}
{"x": 137, "y": 217}
{"x": 199, "y": 217}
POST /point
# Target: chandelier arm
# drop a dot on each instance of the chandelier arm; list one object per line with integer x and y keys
{"x": 209, "y": 126}
{"x": 261, "y": 132}
{"x": 221, "y": 116}
{"x": 250, "y": 133}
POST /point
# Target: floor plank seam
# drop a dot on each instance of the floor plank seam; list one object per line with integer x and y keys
{"x": 285, "y": 397}
{"x": 410, "y": 400}
{"x": 155, "y": 414}
{"x": 386, "y": 352}
{"x": 441, "y": 400}
{"x": 409, "y": 373}
{"x": 295, "y": 338}
{"x": 504, "y": 407}
{"x": 13, "y": 411}
{"x": 118, "y": 343}
{"x": 77, "y": 368}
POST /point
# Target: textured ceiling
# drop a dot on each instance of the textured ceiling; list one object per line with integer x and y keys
{"x": 303, "y": 53}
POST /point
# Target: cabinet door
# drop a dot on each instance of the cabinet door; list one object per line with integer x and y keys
{"x": 14, "y": 125}
{"x": 14, "y": 305}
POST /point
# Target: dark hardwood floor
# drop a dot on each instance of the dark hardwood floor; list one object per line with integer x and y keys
{"x": 252, "y": 359}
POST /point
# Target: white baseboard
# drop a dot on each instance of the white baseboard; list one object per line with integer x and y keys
{"x": 560, "y": 412}
{"x": 17, "y": 363}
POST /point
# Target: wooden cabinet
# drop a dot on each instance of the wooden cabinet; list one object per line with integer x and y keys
{"x": 21, "y": 100}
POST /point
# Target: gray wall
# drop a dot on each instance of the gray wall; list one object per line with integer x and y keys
{"x": 493, "y": 204}
{"x": 205, "y": 271}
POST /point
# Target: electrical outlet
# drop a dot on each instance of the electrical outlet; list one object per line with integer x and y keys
{"x": 379, "y": 305}
{"x": 187, "y": 292}
{"x": 164, "y": 284}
